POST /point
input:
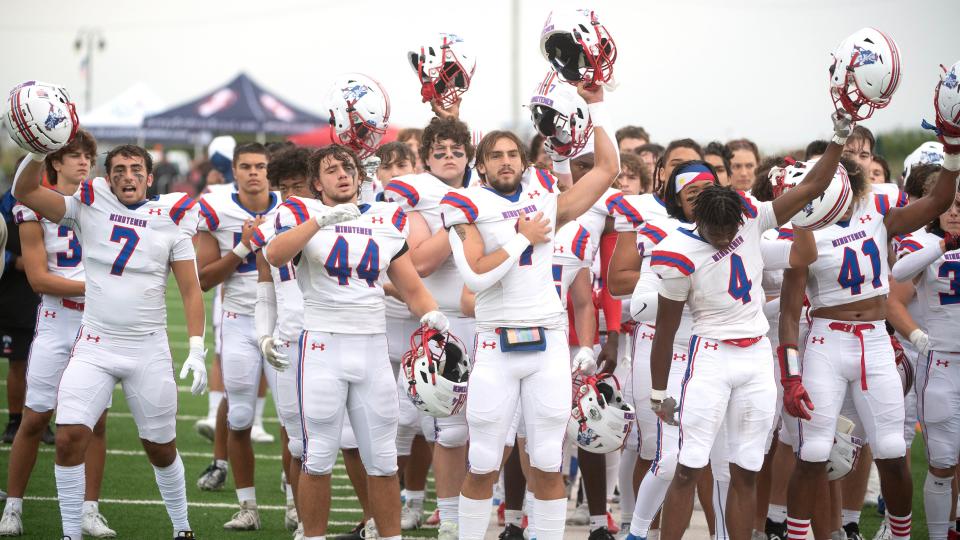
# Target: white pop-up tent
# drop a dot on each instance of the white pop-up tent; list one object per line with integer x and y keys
{"x": 121, "y": 118}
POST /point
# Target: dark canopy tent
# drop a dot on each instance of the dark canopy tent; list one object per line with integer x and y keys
{"x": 240, "y": 106}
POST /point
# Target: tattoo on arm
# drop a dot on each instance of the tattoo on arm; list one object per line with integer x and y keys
{"x": 461, "y": 231}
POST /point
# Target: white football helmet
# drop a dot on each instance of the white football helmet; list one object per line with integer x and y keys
{"x": 930, "y": 152}
{"x": 600, "y": 419}
{"x": 436, "y": 369}
{"x": 445, "y": 67}
{"x": 359, "y": 113}
{"x": 822, "y": 211}
{"x": 560, "y": 115}
{"x": 947, "y": 101}
{"x": 578, "y": 46}
{"x": 845, "y": 450}
{"x": 40, "y": 117}
{"x": 865, "y": 73}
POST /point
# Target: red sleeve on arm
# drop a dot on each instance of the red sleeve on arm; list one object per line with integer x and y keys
{"x": 611, "y": 307}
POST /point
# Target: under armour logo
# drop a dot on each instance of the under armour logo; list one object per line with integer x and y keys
{"x": 644, "y": 335}
{"x": 533, "y": 194}
{"x": 155, "y": 211}
{"x": 558, "y": 249}
{"x": 315, "y": 346}
{"x": 817, "y": 340}
{"x": 230, "y": 315}
{"x": 680, "y": 357}
{"x": 866, "y": 218}
{"x": 944, "y": 363}
{"x": 376, "y": 219}
{"x": 51, "y": 314}
{"x": 95, "y": 339}
{"x": 489, "y": 345}
{"x": 710, "y": 346}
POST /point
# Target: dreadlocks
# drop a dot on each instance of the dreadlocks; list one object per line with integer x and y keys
{"x": 719, "y": 208}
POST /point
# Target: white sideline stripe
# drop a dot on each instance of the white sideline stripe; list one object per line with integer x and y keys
{"x": 214, "y": 505}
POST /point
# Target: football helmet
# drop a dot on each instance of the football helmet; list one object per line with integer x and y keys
{"x": 40, "y": 117}
{"x": 822, "y": 211}
{"x": 561, "y": 116}
{"x": 947, "y": 103}
{"x": 904, "y": 367}
{"x": 865, "y": 73}
{"x": 845, "y": 450}
{"x": 600, "y": 419}
{"x": 930, "y": 152}
{"x": 436, "y": 369}
{"x": 445, "y": 67}
{"x": 578, "y": 46}
{"x": 359, "y": 113}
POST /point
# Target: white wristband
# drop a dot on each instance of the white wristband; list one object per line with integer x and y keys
{"x": 599, "y": 117}
{"x": 196, "y": 343}
{"x": 515, "y": 246}
{"x": 658, "y": 395}
{"x": 951, "y": 162}
{"x": 561, "y": 167}
{"x": 241, "y": 250}
{"x": 839, "y": 140}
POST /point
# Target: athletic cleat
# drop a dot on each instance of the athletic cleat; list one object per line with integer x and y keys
{"x": 410, "y": 518}
{"x": 580, "y": 516}
{"x": 370, "y": 531}
{"x": 883, "y": 533}
{"x": 259, "y": 435}
{"x": 952, "y": 534}
{"x": 213, "y": 478}
{"x": 852, "y": 531}
{"x": 776, "y": 530}
{"x": 298, "y": 534}
{"x": 355, "y": 534}
{"x": 11, "y": 524}
{"x": 511, "y": 532}
{"x": 206, "y": 427}
{"x": 247, "y": 519}
{"x": 48, "y": 436}
{"x": 290, "y": 518}
{"x": 448, "y": 531}
{"x": 501, "y": 514}
{"x": 434, "y": 519}
{"x": 185, "y": 535}
{"x": 601, "y": 534}
{"x": 612, "y": 524}
{"x": 95, "y": 525}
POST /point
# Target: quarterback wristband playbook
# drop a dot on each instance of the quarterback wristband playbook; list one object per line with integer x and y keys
{"x": 789, "y": 358}
{"x": 241, "y": 250}
{"x": 522, "y": 339}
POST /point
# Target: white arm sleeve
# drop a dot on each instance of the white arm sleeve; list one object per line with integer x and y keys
{"x": 771, "y": 308}
{"x": 912, "y": 264}
{"x": 775, "y": 253}
{"x": 265, "y": 312}
{"x": 676, "y": 288}
{"x": 477, "y": 282}
{"x": 645, "y": 299}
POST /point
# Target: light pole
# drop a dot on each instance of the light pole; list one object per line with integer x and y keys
{"x": 88, "y": 41}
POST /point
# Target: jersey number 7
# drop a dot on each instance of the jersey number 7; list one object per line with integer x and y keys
{"x": 129, "y": 238}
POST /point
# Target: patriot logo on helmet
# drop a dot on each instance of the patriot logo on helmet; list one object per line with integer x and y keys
{"x": 359, "y": 113}
{"x": 40, "y": 117}
{"x": 865, "y": 73}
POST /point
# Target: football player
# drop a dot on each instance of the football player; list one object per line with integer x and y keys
{"x": 130, "y": 244}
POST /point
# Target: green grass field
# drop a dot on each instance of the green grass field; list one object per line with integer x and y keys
{"x": 131, "y": 502}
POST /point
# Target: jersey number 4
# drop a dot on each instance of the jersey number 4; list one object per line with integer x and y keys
{"x": 338, "y": 262}
{"x": 740, "y": 284}
{"x": 850, "y": 275}
{"x": 129, "y": 240}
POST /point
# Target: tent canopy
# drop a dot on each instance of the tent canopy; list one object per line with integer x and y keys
{"x": 121, "y": 118}
{"x": 240, "y": 106}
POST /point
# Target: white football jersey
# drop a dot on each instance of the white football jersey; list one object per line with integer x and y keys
{"x": 610, "y": 204}
{"x": 903, "y": 245}
{"x": 127, "y": 252}
{"x": 773, "y": 273}
{"x": 938, "y": 292}
{"x": 422, "y": 193}
{"x": 851, "y": 263}
{"x": 570, "y": 247}
{"x": 724, "y": 288}
{"x": 64, "y": 254}
{"x": 526, "y": 295}
{"x": 223, "y": 217}
{"x": 341, "y": 269}
{"x": 646, "y": 215}
{"x": 289, "y": 297}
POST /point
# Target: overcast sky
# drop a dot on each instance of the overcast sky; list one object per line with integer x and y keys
{"x": 707, "y": 69}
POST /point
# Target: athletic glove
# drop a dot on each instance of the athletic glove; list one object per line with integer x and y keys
{"x": 435, "y": 320}
{"x": 665, "y": 409}
{"x": 584, "y": 361}
{"x": 274, "y": 357}
{"x": 920, "y": 340}
{"x": 795, "y": 398}
{"x": 195, "y": 363}
{"x": 842, "y": 126}
{"x": 338, "y": 214}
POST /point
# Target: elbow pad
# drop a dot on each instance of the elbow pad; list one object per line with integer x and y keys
{"x": 265, "y": 312}
{"x": 474, "y": 281}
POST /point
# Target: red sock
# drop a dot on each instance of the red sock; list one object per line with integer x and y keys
{"x": 797, "y": 528}
{"x": 899, "y": 526}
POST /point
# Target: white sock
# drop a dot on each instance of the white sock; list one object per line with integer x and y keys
{"x": 14, "y": 504}
{"x": 415, "y": 499}
{"x": 850, "y": 516}
{"x": 511, "y": 517}
{"x": 612, "y": 462}
{"x": 720, "y": 491}
{"x": 222, "y": 464}
{"x": 247, "y": 494}
{"x": 936, "y": 501}
{"x": 289, "y": 494}
{"x": 528, "y": 502}
{"x": 797, "y": 529}
{"x": 70, "y": 487}
{"x": 213, "y": 403}
{"x": 777, "y": 513}
{"x": 258, "y": 411}
{"x": 650, "y": 497}
{"x": 628, "y": 497}
{"x": 173, "y": 491}
{"x": 550, "y": 518}
{"x": 598, "y": 521}
{"x": 91, "y": 507}
{"x": 448, "y": 509}
{"x": 474, "y": 517}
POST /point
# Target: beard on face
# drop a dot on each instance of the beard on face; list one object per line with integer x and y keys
{"x": 505, "y": 185}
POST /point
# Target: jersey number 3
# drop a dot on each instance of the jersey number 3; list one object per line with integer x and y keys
{"x": 129, "y": 240}
{"x": 338, "y": 262}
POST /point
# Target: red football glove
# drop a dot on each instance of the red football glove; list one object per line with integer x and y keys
{"x": 795, "y": 398}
